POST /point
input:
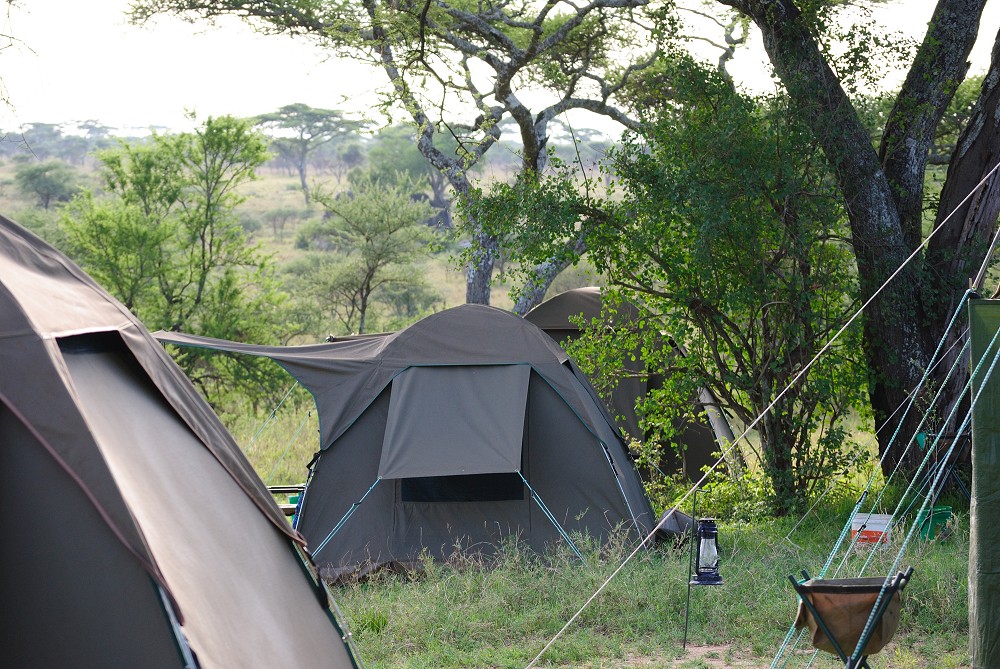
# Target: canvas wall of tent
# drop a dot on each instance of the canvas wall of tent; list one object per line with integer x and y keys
{"x": 560, "y": 315}
{"x": 464, "y": 429}
{"x": 111, "y": 557}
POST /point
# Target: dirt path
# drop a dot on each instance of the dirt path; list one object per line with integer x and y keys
{"x": 698, "y": 657}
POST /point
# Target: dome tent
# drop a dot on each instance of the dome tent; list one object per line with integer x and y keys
{"x": 111, "y": 557}
{"x": 699, "y": 440}
{"x": 467, "y": 427}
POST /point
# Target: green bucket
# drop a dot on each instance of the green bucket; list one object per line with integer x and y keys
{"x": 939, "y": 517}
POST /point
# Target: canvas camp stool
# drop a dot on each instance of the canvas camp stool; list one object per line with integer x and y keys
{"x": 837, "y": 611}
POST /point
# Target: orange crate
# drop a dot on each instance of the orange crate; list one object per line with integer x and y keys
{"x": 871, "y": 528}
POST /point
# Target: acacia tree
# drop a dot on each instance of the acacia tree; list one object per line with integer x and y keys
{"x": 474, "y": 61}
{"x": 882, "y": 185}
{"x": 369, "y": 241}
{"x": 48, "y": 182}
{"x": 394, "y": 153}
{"x": 307, "y": 130}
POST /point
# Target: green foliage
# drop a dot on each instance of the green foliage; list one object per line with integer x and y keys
{"x": 858, "y": 49}
{"x": 393, "y": 155}
{"x": 45, "y": 224}
{"x": 167, "y": 242}
{"x": 48, "y": 182}
{"x": 279, "y": 218}
{"x": 366, "y": 248}
{"x": 443, "y": 59}
{"x": 741, "y": 498}
{"x": 725, "y": 228}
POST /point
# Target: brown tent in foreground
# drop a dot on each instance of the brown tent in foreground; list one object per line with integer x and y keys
{"x": 698, "y": 440}
{"x": 135, "y": 533}
{"x": 467, "y": 427}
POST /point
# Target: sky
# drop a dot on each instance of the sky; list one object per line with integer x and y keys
{"x": 76, "y": 60}
{"x": 81, "y": 60}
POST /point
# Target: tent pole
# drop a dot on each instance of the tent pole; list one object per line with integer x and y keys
{"x": 984, "y": 537}
{"x": 552, "y": 519}
{"x": 343, "y": 521}
{"x": 628, "y": 505}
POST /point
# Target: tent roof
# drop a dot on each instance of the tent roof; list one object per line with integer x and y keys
{"x": 346, "y": 375}
{"x": 554, "y": 313}
{"x": 553, "y": 316}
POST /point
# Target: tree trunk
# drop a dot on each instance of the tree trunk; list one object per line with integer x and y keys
{"x": 775, "y": 435}
{"x": 301, "y": 167}
{"x": 940, "y": 62}
{"x": 479, "y": 272}
{"x": 892, "y": 342}
{"x": 967, "y": 215}
{"x": 533, "y": 291}
{"x": 544, "y": 274}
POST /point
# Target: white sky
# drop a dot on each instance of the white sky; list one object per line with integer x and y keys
{"x": 80, "y": 60}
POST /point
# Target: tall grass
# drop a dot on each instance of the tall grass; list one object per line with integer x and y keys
{"x": 500, "y": 612}
{"x": 280, "y": 443}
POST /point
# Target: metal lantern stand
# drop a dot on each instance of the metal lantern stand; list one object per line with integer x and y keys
{"x": 703, "y": 558}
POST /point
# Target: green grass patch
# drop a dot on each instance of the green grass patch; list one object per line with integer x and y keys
{"x": 501, "y": 611}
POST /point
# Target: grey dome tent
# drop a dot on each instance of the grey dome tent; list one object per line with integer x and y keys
{"x": 134, "y": 532}
{"x": 699, "y": 440}
{"x": 467, "y": 427}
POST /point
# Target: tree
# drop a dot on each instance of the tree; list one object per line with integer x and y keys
{"x": 726, "y": 229}
{"x": 394, "y": 152}
{"x": 49, "y": 182}
{"x": 369, "y": 241}
{"x": 42, "y": 139}
{"x": 167, "y": 243}
{"x": 882, "y": 185}
{"x": 307, "y": 129}
{"x": 474, "y": 61}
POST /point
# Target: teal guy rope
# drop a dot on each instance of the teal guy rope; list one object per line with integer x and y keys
{"x": 844, "y": 532}
{"x": 892, "y": 440}
{"x": 857, "y": 455}
{"x": 342, "y": 521}
{"x": 552, "y": 519}
{"x": 937, "y": 396}
{"x": 628, "y": 505}
{"x": 937, "y": 478}
{"x": 892, "y": 476}
{"x": 270, "y": 417}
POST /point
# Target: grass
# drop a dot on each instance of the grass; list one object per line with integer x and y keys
{"x": 501, "y": 612}
{"x": 281, "y": 444}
